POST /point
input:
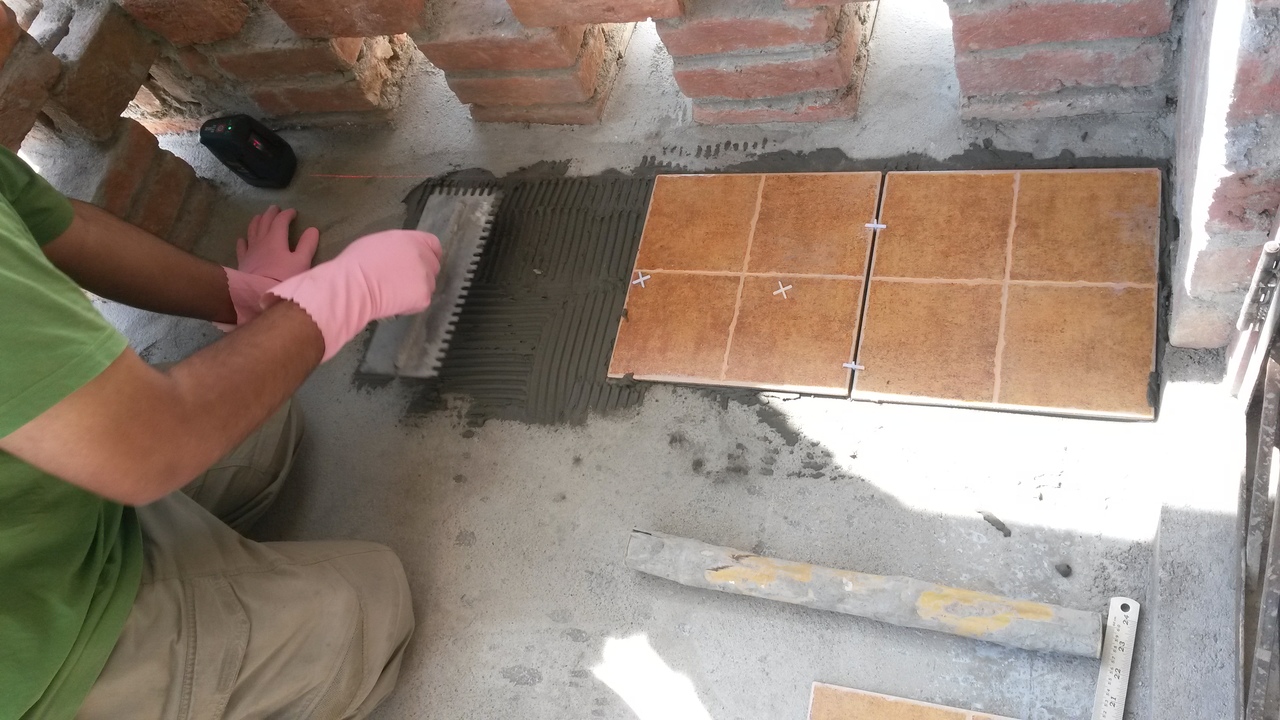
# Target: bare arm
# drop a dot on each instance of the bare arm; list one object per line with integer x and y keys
{"x": 134, "y": 434}
{"x": 111, "y": 258}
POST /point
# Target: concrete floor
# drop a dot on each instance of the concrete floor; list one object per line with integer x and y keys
{"x": 513, "y": 535}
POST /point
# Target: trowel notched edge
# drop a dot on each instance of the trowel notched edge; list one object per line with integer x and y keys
{"x": 414, "y": 346}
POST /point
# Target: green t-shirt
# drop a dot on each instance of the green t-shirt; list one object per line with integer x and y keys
{"x": 70, "y": 561}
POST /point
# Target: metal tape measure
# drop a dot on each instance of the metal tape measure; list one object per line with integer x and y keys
{"x": 1117, "y": 657}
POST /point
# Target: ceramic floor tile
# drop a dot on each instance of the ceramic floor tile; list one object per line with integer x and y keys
{"x": 798, "y": 343}
{"x": 699, "y": 222}
{"x": 945, "y": 225}
{"x": 1088, "y": 226}
{"x": 676, "y": 328}
{"x": 815, "y": 223}
{"x": 829, "y": 702}
{"x": 1079, "y": 348}
{"x": 930, "y": 340}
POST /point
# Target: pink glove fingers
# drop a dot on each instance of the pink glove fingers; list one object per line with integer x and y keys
{"x": 308, "y": 243}
{"x": 266, "y": 249}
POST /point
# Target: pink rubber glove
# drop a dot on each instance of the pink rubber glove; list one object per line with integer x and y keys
{"x": 264, "y": 259}
{"x": 378, "y": 276}
{"x": 267, "y": 253}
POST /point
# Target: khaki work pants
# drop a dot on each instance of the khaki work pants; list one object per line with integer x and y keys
{"x": 224, "y": 627}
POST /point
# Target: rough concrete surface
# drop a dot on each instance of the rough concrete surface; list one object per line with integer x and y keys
{"x": 513, "y": 535}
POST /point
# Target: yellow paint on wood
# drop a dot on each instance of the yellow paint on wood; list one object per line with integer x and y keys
{"x": 856, "y": 582}
{"x": 753, "y": 570}
{"x": 976, "y": 614}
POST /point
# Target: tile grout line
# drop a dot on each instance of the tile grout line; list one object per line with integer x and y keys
{"x": 1020, "y": 283}
{"x": 742, "y": 279}
{"x": 868, "y": 272}
{"x": 1083, "y": 284}
{"x": 732, "y": 273}
{"x": 1004, "y": 289}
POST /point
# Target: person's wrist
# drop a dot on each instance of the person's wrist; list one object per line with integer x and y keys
{"x": 336, "y": 298}
{"x": 246, "y": 291}
{"x": 310, "y": 336}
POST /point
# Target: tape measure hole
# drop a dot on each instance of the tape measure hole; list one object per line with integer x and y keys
{"x": 1124, "y": 607}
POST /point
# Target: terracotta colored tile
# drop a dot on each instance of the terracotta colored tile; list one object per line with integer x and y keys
{"x": 932, "y": 340}
{"x": 699, "y": 222}
{"x": 835, "y": 703}
{"x": 815, "y": 223}
{"x": 799, "y": 343}
{"x": 676, "y": 328}
{"x": 1075, "y": 348}
{"x": 1090, "y": 226}
{"x": 945, "y": 225}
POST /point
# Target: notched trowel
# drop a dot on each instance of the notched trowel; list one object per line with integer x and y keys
{"x": 413, "y": 346}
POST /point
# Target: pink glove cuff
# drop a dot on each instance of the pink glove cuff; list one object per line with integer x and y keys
{"x": 337, "y": 301}
{"x": 246, "y": 296}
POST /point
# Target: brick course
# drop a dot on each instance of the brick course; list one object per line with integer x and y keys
{"x": 1257, "y": 90}
{"x": 185, "y": 22}
{"x": 127, "y": 162}
{"x": 555, "y": 13}
{"x": 1037, "y": 70}
{"x": 1224, "y": 270}
{"x": 1246, "y": 201}
{"x": 193, "y": 216}
{"x": 302, "y": 58}
{"x": 827, "y": 67}
{"x": 462, "y": 35}
{"x": 788, "y": 82}
{"x": 360, "y": 90}
{"x": 105, "y": 59}
{"x": 983, "y": 26}
{"x": 585, "y": 112}
{"x": 722, "y": 26}
{"x": 158, "y": 203}
{"x": 811, "y": 107}
{"x": 350, "y": 18}
{"x": 542, "y": 87}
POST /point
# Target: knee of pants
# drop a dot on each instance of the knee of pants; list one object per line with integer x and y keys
{"x": 377, "y": 578}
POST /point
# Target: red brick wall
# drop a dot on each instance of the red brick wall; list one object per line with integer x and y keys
{"x": 1048, "y": 58}
{"x": 1218, "y": 252}
{"x": 509, "y": 72}
{"x": 770, "y": 61}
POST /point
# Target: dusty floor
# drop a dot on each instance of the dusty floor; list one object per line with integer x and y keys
{"x": 513, "y": 535}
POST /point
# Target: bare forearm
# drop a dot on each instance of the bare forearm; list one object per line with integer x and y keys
{"x": 231, "y": 387}
{"x": 120, "y": 262}
{"x": 134, "y": 434}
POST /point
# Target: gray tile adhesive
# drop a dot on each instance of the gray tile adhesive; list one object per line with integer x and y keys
{"x": 535, "y": 334}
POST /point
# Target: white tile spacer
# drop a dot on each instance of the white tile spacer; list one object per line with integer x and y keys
{"x": 853, "y": 366}
{"x": 877, "y": 225}
{"x": 783, "y": 290}
{"x": 642, "y": 280}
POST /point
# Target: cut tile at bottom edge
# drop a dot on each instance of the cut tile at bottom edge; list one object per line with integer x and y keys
{"x": 1000, "y": 407}
{"x": 838, "y": 393}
